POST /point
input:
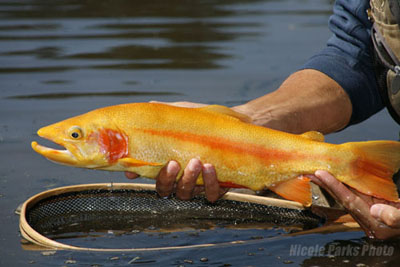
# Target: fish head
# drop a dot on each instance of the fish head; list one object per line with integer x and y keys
{"x": 87, "y": 143}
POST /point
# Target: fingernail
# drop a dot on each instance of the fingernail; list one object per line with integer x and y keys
{"x": 318, "y": 173}
{"x": 172, "y": 168}
{"x": 194, "y": 165}
{"x": 376, "y": 210}
{"x": 208, "y": 168}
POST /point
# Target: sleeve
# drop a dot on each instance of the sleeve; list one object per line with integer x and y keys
{"x": 348, "y": 58}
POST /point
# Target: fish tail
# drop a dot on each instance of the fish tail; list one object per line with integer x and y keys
{"x": 373, "y": 168}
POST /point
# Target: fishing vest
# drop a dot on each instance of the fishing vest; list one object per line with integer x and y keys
{"x": 385, "y": 33}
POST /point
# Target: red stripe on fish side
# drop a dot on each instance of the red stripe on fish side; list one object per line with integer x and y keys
{"x": 114, "y": 144}
{"x": 269, "y": 155}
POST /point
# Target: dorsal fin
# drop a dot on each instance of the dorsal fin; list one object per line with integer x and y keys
{"x": 314, "y": 135}
{"x": 227, "y": 111}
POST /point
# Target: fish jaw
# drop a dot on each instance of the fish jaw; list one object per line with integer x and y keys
{"x": 64, "y": 157}
{"x": 55, "y": 133}
{"x": 82, "y": 153}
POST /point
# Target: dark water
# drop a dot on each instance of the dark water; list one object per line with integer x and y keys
{"x": 60, "y": 58}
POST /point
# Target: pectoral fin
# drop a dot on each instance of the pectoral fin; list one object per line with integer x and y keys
{"x": 297, "y": 189}
{"x": 131, "y": 162}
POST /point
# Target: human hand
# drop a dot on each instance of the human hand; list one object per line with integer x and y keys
{"x": 378, "y": 218}
{"x": 185, "y": 188}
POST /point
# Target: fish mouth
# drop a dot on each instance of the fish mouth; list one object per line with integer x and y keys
{"x": 60, "y": 156}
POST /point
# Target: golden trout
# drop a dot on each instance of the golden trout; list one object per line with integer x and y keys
{"x": 143, "y": 137}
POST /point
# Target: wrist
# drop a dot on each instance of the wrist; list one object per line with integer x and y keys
{"x": 307, "y": 100}
{"x": 267, "y": 112}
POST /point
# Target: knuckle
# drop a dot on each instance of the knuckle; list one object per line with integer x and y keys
{"x": 187, "y": 183}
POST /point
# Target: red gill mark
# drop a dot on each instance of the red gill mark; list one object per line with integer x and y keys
{"x": 114, "y": 144}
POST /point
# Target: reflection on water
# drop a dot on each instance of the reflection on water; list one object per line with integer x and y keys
{"x": 75, "y": 42}
{"x": 180, "y": 40}
{"x": 76, "y": 46}
{"x": 163, "y": 34}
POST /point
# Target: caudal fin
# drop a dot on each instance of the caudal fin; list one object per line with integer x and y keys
{"x": 374, "y": 167}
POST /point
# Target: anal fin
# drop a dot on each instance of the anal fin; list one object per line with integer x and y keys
{"x": 297, "y": 189}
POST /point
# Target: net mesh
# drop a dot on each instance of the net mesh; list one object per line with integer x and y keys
{"x": 127, "y": 209}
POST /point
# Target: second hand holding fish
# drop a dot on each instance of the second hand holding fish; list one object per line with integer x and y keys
{"x": 378, "y": 218}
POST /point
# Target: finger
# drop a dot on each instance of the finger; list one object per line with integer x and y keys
{"x": 198, "y": 189}
{"x": 211, "y": 184}
{"x": 186, "y": 185}
{"x": 343, "y": 194}
{"x": 131, "y": 175}
{"x": 315, "y": 180}
{"x": 165, "y": 180}
{"x": 358, "y": 208}
{"x": 386, "y": 214}
{"x": 335, "y": 187}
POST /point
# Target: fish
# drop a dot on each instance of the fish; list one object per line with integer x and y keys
{"x": 144, "y": 137}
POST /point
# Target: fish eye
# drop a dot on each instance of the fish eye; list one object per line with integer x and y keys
{"x": 75, "y": 132}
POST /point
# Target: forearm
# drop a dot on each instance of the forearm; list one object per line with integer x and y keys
{"x": 307, "y": 100}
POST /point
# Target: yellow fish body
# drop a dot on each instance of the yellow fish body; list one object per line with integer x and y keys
{"x": 143, "y": 137}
